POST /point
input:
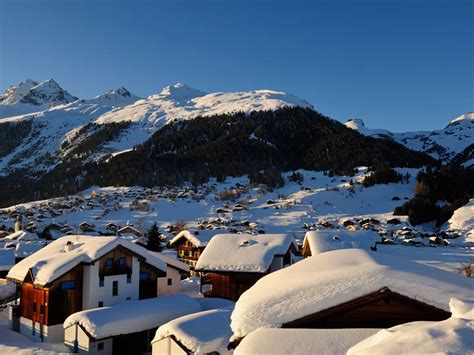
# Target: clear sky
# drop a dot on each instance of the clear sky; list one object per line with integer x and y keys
{"x": 401, "y": 65}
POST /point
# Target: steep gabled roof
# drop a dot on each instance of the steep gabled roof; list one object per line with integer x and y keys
{"x": 200, "y": 238}
{"x": 243, "y": 252}
{"x": 53, "y": 260}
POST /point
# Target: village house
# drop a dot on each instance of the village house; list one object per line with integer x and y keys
{"x": 316, "y": 242}
{"x": 232, "y": 263}
{"x": 124, "y": 328}
{"x": 129, "y": 230}
{"x": 347, "y": 289}
{"x": 76, "y": 273}
{"x": 190, "y": 244}
{"x": 206, "y": 332}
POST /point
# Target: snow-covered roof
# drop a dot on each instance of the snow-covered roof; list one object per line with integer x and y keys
{"x": 451, "y": 336}
{"x": 132, "y": 316}
{"x": 201, "y": 333}
{"x": 22, "y": 235}
{"x": 243, "y": 252}
{"x": 7, "y": 258}
{"x": 208, "y": 303}
{"x": 25, "y": 249}
{"x": 53, "y": 260}
{"x": 322, "y": 241}
{"x": 329, "y": 279}
{"x": 264, "y": 341}
{"x": 170, "y": 261}
{"x": 200, "y": 238}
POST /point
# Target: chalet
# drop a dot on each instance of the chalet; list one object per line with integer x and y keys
{"x": 125, "y": 328}
{"x": 86, "y": 227}
{"x": 190, "y": 244}
{"x": 232, "y": 263}
{"x": 316, "y": 242}
{"x": 129, "y": 230}
{"x": 206, "y": 332}
{"x": 76, "y": 273}
{"x": 348, "y": 288}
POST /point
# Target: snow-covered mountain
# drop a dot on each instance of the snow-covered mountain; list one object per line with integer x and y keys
{"x": 442, "y": 144}
{"x": 50, "y": 128}
{"x": 29, "y": 96}
{"x": 62, "y": 125}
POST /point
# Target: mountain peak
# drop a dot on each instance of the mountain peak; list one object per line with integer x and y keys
{"x": 116, "y": 95}
{"x": 354, "y": 123}
{"x": 47, "y": 93}
{"x": 465, "y": 117}
{"x": 180, "y": 92}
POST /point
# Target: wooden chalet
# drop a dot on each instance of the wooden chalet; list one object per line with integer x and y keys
{"x": 76, "y": 273}
{"x": 129, "y": 230}
{"x": 232, "y": 263}
{"x": 190, "y": 244}
{"x": 349, "y": 289}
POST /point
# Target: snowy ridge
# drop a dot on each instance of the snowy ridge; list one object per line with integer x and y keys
{"x": 57, "y": 117}
{"x": 442, "y": 144}
{"x": 180, "y": 102}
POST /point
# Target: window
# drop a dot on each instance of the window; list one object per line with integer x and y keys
{"x": 144, "y": 276}
{"x": 109, "y": 262}
{"x": 100, "y": 346}
{"x": 128, "y": 298}
{"x": 196, "y": 254}
{"x": 34, "y": 307}
{"x": 170, "y": 282}
{"x": 115, "y": 288}
{"x": 41, "y": 309}
{"x": 68, "y": 285}
{"x": 101, "y": 304}
{"x": 129, "y": 279}
{"x": 121, "y": 260}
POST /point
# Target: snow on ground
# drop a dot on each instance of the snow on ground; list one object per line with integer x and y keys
{"x": 332, "y": 278}
{"x": 201, "y": 333}
{"x": 463, "y": 221}
{"x": 13, "y": 343}
{"x": 454, "y": 335}
{"x": 275, "y": 341}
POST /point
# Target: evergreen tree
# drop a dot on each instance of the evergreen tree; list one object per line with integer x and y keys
{"x": 154, "y": 239}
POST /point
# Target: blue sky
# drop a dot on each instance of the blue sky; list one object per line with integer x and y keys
{"x": 401, "y": 65}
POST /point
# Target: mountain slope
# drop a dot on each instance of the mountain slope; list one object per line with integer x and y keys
{"x": 29, "y": 96}
{"x": 180, "y": 102}
{"x": 115, "y": 121}
{"x": 443, "y": 144}
{"x": 39, "y": 149}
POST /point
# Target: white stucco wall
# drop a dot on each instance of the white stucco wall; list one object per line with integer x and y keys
{"x": 167, "y": 346}
{"x": 92, "y": 294}
{"x": 164, "y": 288}
{"x": 53, "y": 333}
